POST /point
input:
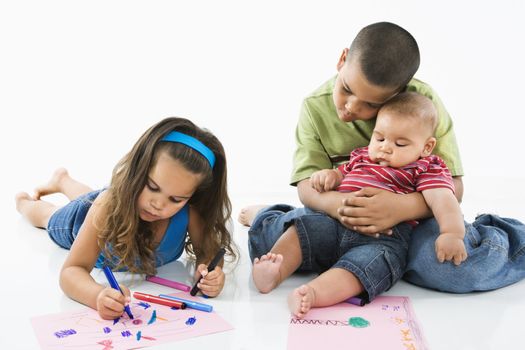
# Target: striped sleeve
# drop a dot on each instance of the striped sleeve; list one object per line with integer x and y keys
{"x": 357, "y": 155}
{"x": 433, "y": 174}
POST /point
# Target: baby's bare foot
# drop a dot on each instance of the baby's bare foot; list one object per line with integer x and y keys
{"x": 248, "y": 213}
{"x": 53, "y": 185}
{"x": 301, "y": 300}
{"x": 265, "y": 272}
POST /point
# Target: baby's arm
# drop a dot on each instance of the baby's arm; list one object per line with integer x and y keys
{"x": 75, "y": 277}
{"x": 211, "y": 282}
{"x": 444, "y": 205}
{"x": 326, "y": 179}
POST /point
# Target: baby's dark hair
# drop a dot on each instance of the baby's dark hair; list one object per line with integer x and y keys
{"x": 387, "y": 54}
{"x": 413, "y": 105}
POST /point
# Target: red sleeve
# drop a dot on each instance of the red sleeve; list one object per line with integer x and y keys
{"x": 356, "y": 155}
{"x": 433, "y": 174}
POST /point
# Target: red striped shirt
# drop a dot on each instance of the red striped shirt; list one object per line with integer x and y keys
{"x": 423, "y": 174}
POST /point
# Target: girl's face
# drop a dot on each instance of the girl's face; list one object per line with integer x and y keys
{"x": 168, "y": 188}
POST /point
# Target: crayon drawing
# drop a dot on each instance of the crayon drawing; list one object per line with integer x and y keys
{"x": 386, "y": 323}
{"x": 153, "y": 324}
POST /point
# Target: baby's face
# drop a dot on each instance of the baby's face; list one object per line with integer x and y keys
{"x": 399, "y": 140}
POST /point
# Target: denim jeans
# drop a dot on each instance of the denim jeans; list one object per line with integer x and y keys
{"x": 64, "y": 224}
{"x": 377, "y": 262}
{"x": 496, "y": 256}
{"x": 495, "y": 248}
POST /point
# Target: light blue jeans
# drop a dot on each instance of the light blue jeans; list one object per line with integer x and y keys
{"x": 496, "y": 256}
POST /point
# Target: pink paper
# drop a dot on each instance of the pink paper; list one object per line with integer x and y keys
{"x": 386, "y": 323}
{"x": 153, "y": 325}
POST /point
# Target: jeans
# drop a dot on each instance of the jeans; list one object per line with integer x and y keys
{"x": 496, "y": 256}
{"x": 495, "y": 248}
{"x": 378, "y": 263}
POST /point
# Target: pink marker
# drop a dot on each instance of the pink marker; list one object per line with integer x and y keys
{"x": 168, "y": 283}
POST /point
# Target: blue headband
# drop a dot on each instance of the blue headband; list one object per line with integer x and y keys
{"x": 192, "y": 142}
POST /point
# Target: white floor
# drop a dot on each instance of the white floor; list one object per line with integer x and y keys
{"x": 491, "y": 320}
{"x": 80, "y": 81}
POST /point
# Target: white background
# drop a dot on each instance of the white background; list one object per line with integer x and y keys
{"x": 81, "y": 81}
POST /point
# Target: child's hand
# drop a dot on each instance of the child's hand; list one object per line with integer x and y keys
{"x": 450, "y": 247}
{"x": 325, "y": 180}
{"x": 111, "y": 302}
{"x": 211, "y": 283}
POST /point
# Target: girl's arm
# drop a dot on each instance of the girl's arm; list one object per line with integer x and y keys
{"x": 211, "y": 282}
{"x": 75, "y": 277}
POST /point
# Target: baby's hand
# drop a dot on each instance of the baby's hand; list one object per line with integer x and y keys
{"x": 325, "y": 180}
{"x": 450, "y": 247}
{"x": 211, "y": 282}
{"x": 111, "y": 302}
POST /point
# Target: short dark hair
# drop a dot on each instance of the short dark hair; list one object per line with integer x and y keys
{"x": 387, "y": 54}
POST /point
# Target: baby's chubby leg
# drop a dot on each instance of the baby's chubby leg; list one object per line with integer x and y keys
{"x": 329, "y": 288}
{"x": 274, "y": 267}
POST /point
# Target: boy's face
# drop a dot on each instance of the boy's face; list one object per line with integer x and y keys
{"x": 354, "y": 97}
{"x": 399, "y": 140}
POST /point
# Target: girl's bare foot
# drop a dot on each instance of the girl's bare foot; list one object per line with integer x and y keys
{"x": 53, "y": 185}
{"x": 21, "y": 199}
{"x": 265, "y": 272}
{"x": 301, "y": 300}
{"x": 248, "y": 213}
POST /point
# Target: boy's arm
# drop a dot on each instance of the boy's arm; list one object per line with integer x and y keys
{"x": 372, "y": 210}
{"x": 369, "y": 211}
{"x": 444, "y": 205}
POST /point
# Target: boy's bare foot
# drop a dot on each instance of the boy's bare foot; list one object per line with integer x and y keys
{"x": 301, "y": 300}
{"x": 21, "y": 199}
{"x": 248, "y": 213}
{"x": 265, "y": 272}
{"x": 53, "y": 185}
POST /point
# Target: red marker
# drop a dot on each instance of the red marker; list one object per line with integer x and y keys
{"x": 159, "y": 300}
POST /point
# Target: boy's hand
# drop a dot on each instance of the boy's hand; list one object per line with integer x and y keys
{"x": 211, "y": 282}
{"x": 370, "y": 211}
{"x": 449, "y": 247}
{"x": 325, "y": 180}
{"x": 111, "y": 302}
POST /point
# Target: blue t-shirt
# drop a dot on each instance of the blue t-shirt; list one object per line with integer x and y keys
{"x": 171, "y": 246}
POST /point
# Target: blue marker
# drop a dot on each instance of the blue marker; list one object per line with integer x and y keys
{"x": 114, "y": 284}
{"x": 191, "y": 304}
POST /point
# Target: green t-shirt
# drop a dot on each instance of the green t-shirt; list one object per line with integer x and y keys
{"x": 323, "y": 141}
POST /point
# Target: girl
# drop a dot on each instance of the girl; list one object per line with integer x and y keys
{"x": 172, "y": 182}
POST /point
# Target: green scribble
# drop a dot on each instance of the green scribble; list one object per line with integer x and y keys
{"x": 358, "y": 322}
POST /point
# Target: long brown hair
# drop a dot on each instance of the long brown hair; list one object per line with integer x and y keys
{"x": 125, "y": 238}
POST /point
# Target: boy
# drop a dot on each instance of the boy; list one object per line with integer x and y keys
{"x": 339, "y": 117}
{"x": 397, "y": 159}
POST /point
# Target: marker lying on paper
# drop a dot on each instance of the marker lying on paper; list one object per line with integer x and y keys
{"x": 114, "y": 284}
{"x": 189, "y": 303}
{"x": 165, "y": 282}
{"x": 159, "y": 300}
{"x": 211, "y": 267}
{"x": 356, "y": 301}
